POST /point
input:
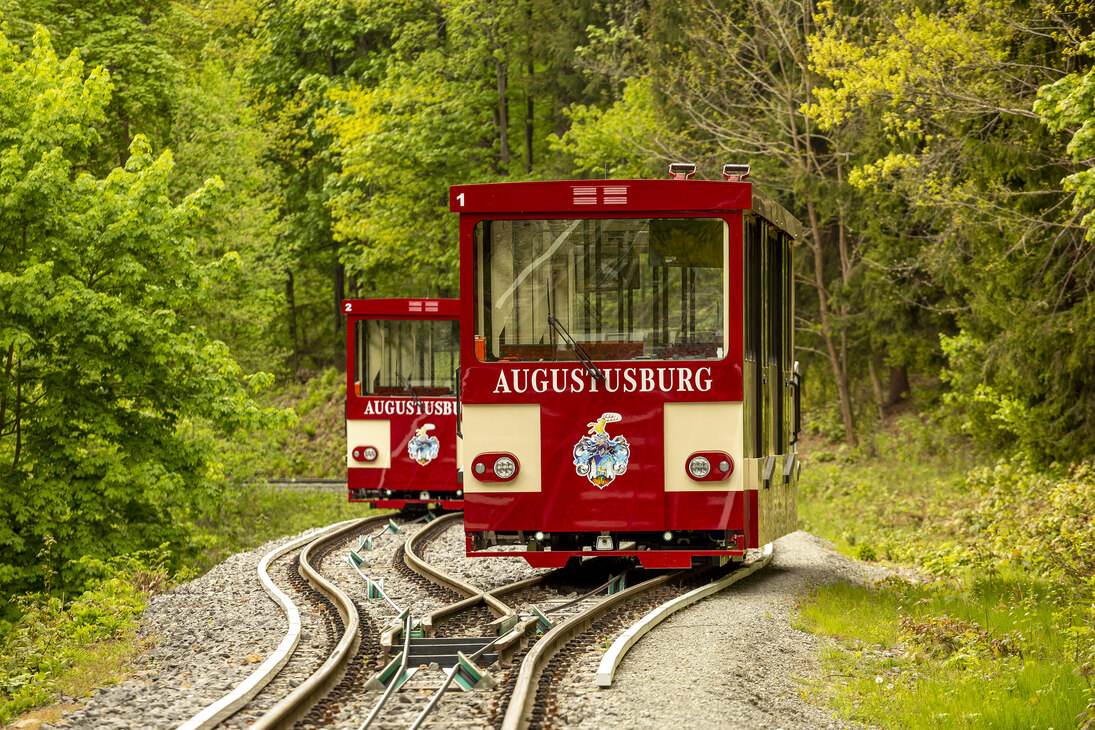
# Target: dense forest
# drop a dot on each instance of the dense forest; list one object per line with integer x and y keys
{"x": 187, "y": 189}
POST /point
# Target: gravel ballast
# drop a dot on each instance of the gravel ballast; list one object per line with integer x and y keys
{"x": 729, "y": 660}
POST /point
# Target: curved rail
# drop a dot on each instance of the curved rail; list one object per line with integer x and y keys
{"x": 612, "y": 658}
{"x": 301, "y": 699}
{"x": 427, "y": 571}
{"x": 518, "y": 713}
{"x": 246, "y": 690}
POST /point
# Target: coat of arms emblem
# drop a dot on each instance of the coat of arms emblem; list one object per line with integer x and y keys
{"x": 599, "y": 457}
{"x": 423, "y": 448}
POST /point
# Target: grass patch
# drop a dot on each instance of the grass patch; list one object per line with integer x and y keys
{"x": 249, "y": 516}
{"x": 59, "y": 649}
{"x": 1002, "y": 634}
{"x": 99, "y": 665}
{"x": 913, "y": 656}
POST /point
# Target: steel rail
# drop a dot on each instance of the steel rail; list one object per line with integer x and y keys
{"x": 519, "y": 711}
{"x": 612, "y": 658}
{"x": 445, "y": 612}
{"x": 427, "y": 571}
{"x": 440, "y": 692}
{"x": 300, "y": 700}
{"x": 243, "y": 692}
{"x": 306, "y": 483}
{"x": 507, "y": 639}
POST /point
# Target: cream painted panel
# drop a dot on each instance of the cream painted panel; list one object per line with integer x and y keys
{"x": 371, "y": 432}
{"x": 459, "y": 451}
{"x": 512, "y": 428}
{"x": 692, "y": 427}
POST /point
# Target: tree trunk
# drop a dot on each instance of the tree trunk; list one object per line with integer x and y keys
{"x": 18, "y": 419}
{"x": 899, "y": 385}
{"x": 503, "y": 114}
{"x": 291, "y": 303}
{"x": 4, "y": 392}
{"x": 873, "y": 363}
{"x": 340, "y": 294}
{"x": 840, "y": 373}
{"x": 529, "y": 123}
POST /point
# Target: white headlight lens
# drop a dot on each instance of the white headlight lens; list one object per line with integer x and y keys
{"x": 369, "y": 453}
{"x": 480, "y": 467}
{"x": 504, "y": 467}
{"x": 699, "y": 467}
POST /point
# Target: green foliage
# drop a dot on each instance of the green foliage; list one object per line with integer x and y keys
{"x": 131, "y": 41}
{"x": 1009, "y": 550}
{"x": 1068, "y": 106}
{"x": 928, "y": 656}
{"x": 248, "y": 515}
{"x": 621, "y": 136}
{"x": 947, "y": 127}
{"x": 313, "y": 444}
{"x": 50, "y": 637}
{"x": 101, "y": 373}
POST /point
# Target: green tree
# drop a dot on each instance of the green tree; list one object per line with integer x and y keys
{"x": 133, "y": 41}
{"x": 947, "y": 91}
{"x": 104, "y": 382}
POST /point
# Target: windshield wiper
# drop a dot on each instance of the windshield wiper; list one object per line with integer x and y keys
{"x": 591, "y": 368}
{"x": 407, "y": 387}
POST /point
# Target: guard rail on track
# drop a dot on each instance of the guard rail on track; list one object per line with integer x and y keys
{"x": 524, "y": 695}
{"x": 615, "y": 654}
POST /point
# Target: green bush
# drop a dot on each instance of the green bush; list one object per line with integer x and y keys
{"x": 50, "y": 636}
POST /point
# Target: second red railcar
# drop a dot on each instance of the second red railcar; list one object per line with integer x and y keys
{"x": 402, "y": 364}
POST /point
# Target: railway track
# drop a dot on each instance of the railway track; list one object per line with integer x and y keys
{"x": 519, "y": 636}
{"x": 306, "y": 483}
{"x": 337, "y": 612}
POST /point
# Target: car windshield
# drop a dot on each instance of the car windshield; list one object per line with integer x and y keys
{"x": 623, "y": 289}
{"x": 395, "y": 354}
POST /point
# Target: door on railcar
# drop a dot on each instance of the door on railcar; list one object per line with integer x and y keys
{"x": 769, "y": 377}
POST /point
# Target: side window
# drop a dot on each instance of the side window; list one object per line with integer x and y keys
{"x": 773, "y": 252}
{"x": 752, "y": 336}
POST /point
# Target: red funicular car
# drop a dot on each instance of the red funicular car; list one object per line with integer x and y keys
{"x": 402, "y": 366}
{"x": 628, "y": 382}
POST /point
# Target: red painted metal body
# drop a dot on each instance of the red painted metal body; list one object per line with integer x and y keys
{"x": 405, "y": 480}
{"x": 635, "y": 504}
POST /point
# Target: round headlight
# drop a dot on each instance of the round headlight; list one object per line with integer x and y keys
{"x": 369, "y": 453}
{"x": 725, "y": 466}
{"x": 699, "y": 467}
{"x": 667, "y": 535}
{"x": 504, "y": 467}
